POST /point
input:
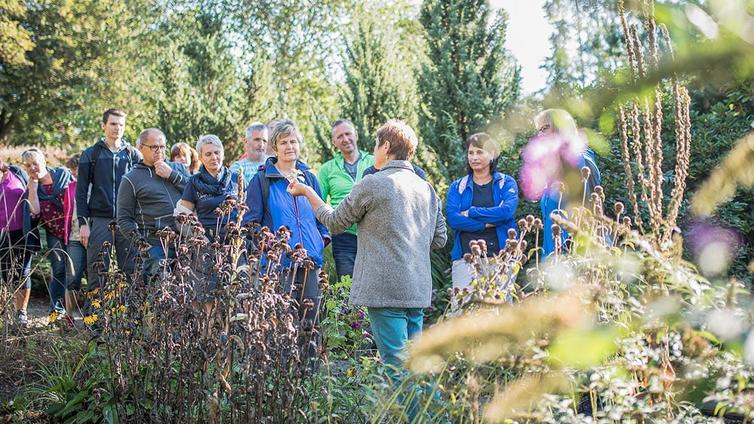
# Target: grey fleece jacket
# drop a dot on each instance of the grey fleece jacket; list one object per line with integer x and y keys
{"x": 146, "y": 201}
{"x": 400, "y": 219}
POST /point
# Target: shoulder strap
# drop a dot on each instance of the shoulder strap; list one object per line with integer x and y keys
{"x": 96, "y": 153}
{"x": 265, "y": 182}
{"x": 17, "y": 171}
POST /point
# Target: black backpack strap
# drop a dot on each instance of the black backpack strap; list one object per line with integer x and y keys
{"x": 264, "y": 182}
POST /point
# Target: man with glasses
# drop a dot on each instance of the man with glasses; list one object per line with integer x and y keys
{"x": 101, "y": 169}
{"x": 147, "y": 197}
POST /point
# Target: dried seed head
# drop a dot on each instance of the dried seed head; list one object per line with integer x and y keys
{"x": 627, "y": 221}
{"x": 511, "y": 233}
{"x": 530, "y": 219}
{"x": 619, "y": 208}
{"x": 585, "y": 172}
{"x": 555, "y": 230}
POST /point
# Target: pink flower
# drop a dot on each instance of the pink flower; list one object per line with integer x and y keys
{"x": 545, "y": 158}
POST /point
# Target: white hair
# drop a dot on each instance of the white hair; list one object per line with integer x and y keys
{"x": 33, "y": 153}
{"x": 255, "y": 126}
{"x": 209, "y": 139}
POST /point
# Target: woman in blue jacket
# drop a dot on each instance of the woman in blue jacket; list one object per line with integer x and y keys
{"x": 480, "y": 206}
{"x": 270, "y": 205}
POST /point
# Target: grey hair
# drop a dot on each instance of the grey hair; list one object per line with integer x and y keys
{"x": 255, "y": 126}
{"x": 284, "y": 128}
{"x": 144, "y": 134}
{"x": 209, "y": 139}
{"x": 31, "y": 153}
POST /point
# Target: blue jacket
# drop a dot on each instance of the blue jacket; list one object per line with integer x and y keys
{"x": 280, "y": 209}
{"x": 503, "y": 216}
{"x": 553, "y": 201}
{"x": 99, "y": 178}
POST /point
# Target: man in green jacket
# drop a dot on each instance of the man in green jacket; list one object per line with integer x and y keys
{"x": 336, "y": 178}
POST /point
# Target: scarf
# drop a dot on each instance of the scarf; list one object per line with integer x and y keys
{"x": 205, "y": 183}
{"x": 61, "y": 178}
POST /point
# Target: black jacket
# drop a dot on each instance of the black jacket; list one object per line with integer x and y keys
{"x": 100, "y": 173}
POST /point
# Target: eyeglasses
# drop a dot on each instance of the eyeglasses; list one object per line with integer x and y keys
{"x": 157, "y": 147}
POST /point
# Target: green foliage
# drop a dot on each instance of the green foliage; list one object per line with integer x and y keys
{"x": 200, "y": 85}
{"x": 15, "y": 40}
{"x": 345, "y": 328}
{"x": 370, "y": 95}
{"x": 469, "y": 81}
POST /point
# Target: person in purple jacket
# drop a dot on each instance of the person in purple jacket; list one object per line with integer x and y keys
{"x": 481, "y": 205}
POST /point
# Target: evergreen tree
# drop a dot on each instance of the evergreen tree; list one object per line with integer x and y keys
{"x": 370, "y": 96}
{"x": 201, "y": 88}
{"x": 469, "y": 80}
{"x": 586, "y": 41}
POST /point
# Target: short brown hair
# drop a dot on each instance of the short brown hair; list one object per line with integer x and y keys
{"x": 114, "y": 112}
{"x": 401, "y": 137}
{"x": 73, "y": 162}
{"x": 284, "y": 128}
{"x": 189, "y": 152}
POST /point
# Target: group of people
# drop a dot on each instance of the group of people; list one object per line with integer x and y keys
{"x": 376, "y": 209}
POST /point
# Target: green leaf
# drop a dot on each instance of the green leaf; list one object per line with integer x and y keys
{"x": 584, "y": 348}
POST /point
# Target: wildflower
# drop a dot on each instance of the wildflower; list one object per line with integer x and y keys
{"x": 110, "y": 295}
{"x": 351, "y": 372}
{"x": 54, "y": 315}
{"x": 90, "y": 319}
{"x": 355, "y": 325}
{"x": 96, "y": 304}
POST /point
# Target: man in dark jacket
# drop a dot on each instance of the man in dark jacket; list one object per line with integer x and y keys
{"x": 148, "y": 195}
{"x": 100, "y": 171}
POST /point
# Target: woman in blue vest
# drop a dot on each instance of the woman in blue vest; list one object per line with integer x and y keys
{"x": 481, "y": 206}
{"x": 271, "y": 205}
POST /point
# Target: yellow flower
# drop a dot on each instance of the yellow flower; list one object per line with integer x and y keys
{"x": 94, "y": 292}
{"x": 96, "y": 303}
{"x": 123, "y": 285}
{"x": 350, "y": 373}
{"x": 90, "y": 319}
{"x": 122, "y": 309}
{"x": 109, "y": 295}
{"x": 53, "y": 316}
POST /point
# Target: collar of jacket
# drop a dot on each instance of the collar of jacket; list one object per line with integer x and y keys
{"x": 398, "y": 164}
{"x": 123, "y": 144}
{"x": 497, "y": 177}
{"x": 271, "y": 171}
{"x": 340, "y": 161}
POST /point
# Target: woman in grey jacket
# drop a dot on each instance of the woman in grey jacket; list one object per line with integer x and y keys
{"x": 400, "y": 219}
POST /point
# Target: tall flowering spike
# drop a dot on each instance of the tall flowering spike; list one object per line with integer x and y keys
{"x": 640, "y": 123}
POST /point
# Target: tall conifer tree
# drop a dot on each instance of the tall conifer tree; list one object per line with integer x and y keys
{"x": 469, "y": 80}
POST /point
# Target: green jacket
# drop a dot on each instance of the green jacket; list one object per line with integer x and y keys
{"x": 335, "y": 181}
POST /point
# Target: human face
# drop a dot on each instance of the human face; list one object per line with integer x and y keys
{"x": 212, "y": 158}
{"x": 380, "y": 154}
{"x": 545, "y": 129}
{"x": 479, "y": 159}
{"x": 256, "y": 145}
{"x": 344, "y": 138}
{"x": 181, "y": 157}
{"x": 36, "y": 167}
{"x": 287, "y": 148}
{"x": 114, "y": 127}
{"x": 153, "y": 149}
